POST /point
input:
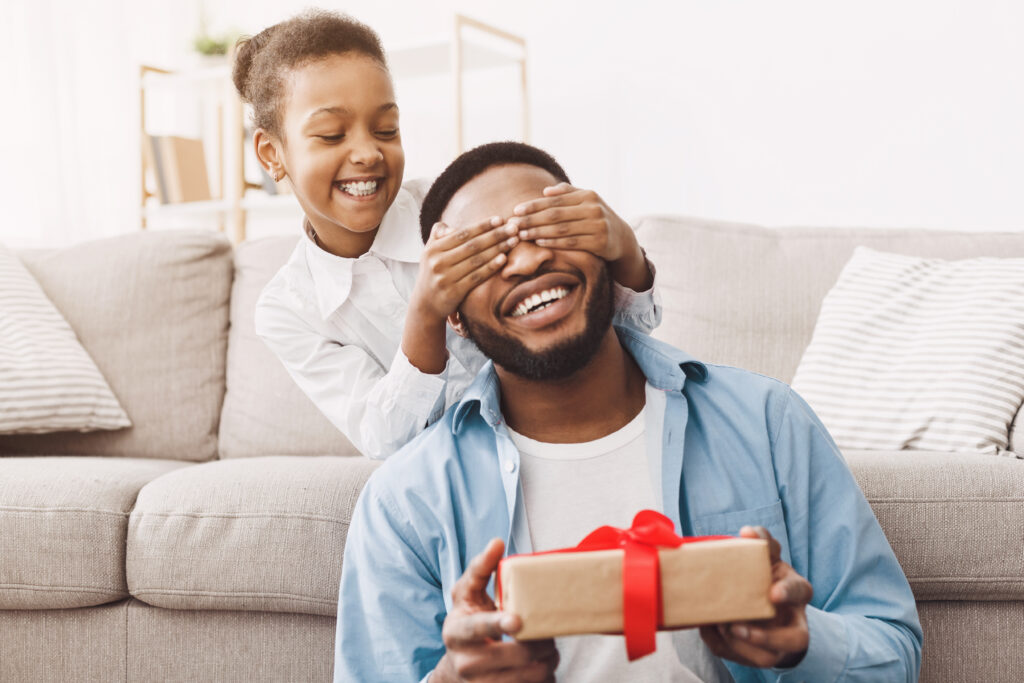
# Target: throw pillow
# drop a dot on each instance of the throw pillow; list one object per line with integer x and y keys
{"x": 48, "y": 382}
{"x": 923, "y": 354}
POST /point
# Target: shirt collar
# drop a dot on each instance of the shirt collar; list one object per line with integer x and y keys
{"x": 397, "y": 239}
{"x": 665, "y": 367}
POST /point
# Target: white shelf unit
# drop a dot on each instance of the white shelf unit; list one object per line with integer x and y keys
{"x": 472, "y": 45}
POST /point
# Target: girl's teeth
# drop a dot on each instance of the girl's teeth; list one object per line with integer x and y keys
{"x": 360, "y": 188}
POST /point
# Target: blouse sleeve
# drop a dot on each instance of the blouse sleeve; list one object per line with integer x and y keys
{"x": 378, "y": 409}
{"x": 640, "y": 311}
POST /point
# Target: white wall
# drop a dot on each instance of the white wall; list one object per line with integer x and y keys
{"x": 778, "y": 112}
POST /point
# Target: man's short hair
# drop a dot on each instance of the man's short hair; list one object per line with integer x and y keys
{"x": 469, "y": 165}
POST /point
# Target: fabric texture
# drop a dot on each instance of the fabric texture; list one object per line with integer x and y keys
{"x": 63, "y": 523}
{"x": 1017, "y": 433}
{"x": 151, "y": 308}
{"x": 748, "y": 296}
{"x": 921, "y": 354}
{"x": 749, "y": 451}
{"x": 48, "y": 382}
{"x": 973, "y": 641}
{"x": 62, "y": 645}
{"x": 265, "y": 412}
{"x": 954, "y": 521}
{"x": 258, "y": 534}
{"x": 185, "y": 646}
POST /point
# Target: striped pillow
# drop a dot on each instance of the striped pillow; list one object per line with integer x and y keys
{"x": 48, "y": 383}
{"x": 922, "y": 354}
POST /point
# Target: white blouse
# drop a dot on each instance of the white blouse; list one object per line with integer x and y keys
{"x": 336, "y": 324}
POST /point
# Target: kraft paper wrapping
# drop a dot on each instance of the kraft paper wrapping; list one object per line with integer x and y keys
{"x": 575, "y": 593}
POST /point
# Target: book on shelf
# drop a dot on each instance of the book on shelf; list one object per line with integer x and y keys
{"x": 179, "y": 168}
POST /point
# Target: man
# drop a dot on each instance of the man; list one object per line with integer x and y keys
{"x": 575, "y": 424}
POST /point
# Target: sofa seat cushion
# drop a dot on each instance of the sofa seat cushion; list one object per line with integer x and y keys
{"x": 956, "y": 522}
{"x": 63, "y": 525}
{"x": 249, "y": 534}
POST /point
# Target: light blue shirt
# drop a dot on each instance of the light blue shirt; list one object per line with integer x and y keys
{"x": 737, "y": 448}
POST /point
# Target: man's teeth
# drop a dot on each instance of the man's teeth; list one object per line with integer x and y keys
{"x": 538, "y": 301}
{"x": 360, "y": 188}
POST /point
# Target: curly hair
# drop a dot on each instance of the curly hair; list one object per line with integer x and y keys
{"x": 469, "y": 165}
{"x": 261, "y": 61}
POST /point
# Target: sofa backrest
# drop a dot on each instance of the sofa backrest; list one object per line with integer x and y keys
{"x": 151, "y": 308}
{"x": 749, "y": 296}
{"x": 264, "y": 412}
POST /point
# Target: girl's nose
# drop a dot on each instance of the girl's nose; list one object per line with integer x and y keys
{"x": 365, "y": 151}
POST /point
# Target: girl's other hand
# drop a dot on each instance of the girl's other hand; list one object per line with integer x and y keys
{"x": 567, "y": 217}
{"x": 455, "y": 260}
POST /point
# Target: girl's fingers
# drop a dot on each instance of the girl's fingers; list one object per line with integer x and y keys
{"x": 560, "y": 188}
{"x": 559, "y": 215}
{"x": 451, "y": 237}
{"x": 502, "y": 239}
{"x": 471, "y": 272}
{"x": 570, "y": 197}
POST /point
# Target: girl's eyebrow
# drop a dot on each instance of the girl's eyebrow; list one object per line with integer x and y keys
{"x": 341, "y": 111}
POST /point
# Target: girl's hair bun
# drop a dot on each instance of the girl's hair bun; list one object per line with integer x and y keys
{"x": 262, "y": 60}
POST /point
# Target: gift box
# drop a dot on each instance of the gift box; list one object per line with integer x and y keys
{"x": 637, "y": 580}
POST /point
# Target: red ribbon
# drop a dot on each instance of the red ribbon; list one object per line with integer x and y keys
{"x": 641, "y": 584}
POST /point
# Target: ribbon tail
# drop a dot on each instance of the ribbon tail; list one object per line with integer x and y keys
{"x": 640, "y": 598}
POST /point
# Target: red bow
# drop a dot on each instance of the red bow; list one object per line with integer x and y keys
{"x": 641, "y": 584}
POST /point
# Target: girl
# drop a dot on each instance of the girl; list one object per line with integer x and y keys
{"x": 357, "y": 314}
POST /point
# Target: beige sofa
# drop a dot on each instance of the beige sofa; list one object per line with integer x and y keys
{"x": 205, "y": 543}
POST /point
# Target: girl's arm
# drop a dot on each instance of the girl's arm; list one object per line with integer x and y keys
{"x": 379, "y": 409}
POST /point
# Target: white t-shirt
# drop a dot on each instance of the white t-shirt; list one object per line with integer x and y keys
{"x": 571, "y": 489}
{"x": 336, "y": 324}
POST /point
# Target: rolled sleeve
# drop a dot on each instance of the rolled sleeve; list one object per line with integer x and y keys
{"x": 825, "y": 659}
{"x": 423, "y": 394}
{"x": 638, "y": 310}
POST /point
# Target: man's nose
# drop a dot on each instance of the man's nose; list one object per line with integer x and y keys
{"x": 525, "y": 259}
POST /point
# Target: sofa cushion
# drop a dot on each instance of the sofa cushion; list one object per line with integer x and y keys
{"x": 263, "y": 534}
{"x": 151, "y": 308}
{"x": 956, "y": 522}
{"x": 749, "y": 296}
{"x": 265, "y": 412}
{"x": 63, "y": 524}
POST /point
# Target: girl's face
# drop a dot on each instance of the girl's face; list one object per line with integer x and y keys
{"x": 342, "y": 149}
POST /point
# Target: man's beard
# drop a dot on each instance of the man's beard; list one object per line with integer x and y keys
{"x": 561, "y": 360}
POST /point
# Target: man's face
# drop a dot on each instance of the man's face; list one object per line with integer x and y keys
{"x": 545, "y": 313}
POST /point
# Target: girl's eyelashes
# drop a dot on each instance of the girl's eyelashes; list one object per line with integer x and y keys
{"x": 387, "y": 133}
{"x": 331, "y": 138}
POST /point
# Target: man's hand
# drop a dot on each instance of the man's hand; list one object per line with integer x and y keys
{"x": 570, "y": 218}
{"x": 778, "y": 642}
{"x": 473, "y": 629}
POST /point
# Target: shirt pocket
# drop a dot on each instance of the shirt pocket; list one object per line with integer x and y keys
{"x": 771, "y": 517}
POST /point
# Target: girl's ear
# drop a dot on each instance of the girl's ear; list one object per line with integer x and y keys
{"x": 456, "y": 323}
{"x": 269, "y": 153}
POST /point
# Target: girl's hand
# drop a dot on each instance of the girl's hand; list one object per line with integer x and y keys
{"x": 455, "y": 260}
{"x": 567, "y": 217}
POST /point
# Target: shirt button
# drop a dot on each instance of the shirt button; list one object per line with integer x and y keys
{"x": 510, "y": 466}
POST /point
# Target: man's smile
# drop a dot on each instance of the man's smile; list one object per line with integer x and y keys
{"x": 542, "y": 300}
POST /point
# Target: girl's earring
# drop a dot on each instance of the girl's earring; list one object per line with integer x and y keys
{"x": 278, "y": 174}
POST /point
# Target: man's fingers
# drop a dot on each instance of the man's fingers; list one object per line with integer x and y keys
{"x": 472, "y": 585}
{"x": 475, "y": 628}
{"x": 741, "y": 649}
{"x": 760, "y": 532}
{"x": 791, "y": 588}
{"x": 787, "y": 639}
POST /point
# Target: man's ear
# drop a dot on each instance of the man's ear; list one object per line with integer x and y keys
{"x": 269, "y": 152}
{"x": 455, "y": 320}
